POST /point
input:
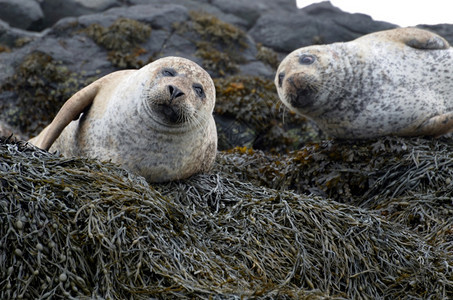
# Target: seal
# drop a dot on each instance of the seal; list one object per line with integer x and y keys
{"x": 156, "y": 121}
{"x": 393, "y": 82}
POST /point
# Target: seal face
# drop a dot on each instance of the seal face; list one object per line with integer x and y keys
{"x": 156, "y": 121}
{"x": 394, "y": 82}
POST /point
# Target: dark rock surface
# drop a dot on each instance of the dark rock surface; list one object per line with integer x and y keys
{"x": 24, "y": 14}
{"x": 315, "y": 24}
{"x": 55, "y": 10}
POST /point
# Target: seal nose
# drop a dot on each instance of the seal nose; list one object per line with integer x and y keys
{"x": 174, "y": 92}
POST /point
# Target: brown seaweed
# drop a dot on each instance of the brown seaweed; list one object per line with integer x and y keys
{"x": 74, "y": 227}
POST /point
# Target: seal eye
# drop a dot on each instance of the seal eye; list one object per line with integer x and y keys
{"x": 169, "y": 72}
{"x": 306, "y": 59}
{"x": 198, "y": 90}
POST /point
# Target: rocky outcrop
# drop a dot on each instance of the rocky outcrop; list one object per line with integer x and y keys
{"x": 316, "y": 24}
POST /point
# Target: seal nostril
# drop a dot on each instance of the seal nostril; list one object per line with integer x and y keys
{"x": 174, "y": 92}
{"x": 280, "y": 78}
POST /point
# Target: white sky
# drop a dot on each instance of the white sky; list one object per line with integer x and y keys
{"x": 400, "y": 12}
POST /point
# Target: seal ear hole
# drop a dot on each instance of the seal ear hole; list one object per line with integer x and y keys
{"x": 199, "y": 91}
{"x": 280, "y": 78}
{"x": 306, "y": 59}
{"x": 169, "y": 72}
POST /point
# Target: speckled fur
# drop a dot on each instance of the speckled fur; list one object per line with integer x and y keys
{"x": 395, "y": 82}
{"x": 123, "y": 123}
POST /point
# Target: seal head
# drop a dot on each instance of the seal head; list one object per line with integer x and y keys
{"x": 395, "y": 82}
{"x": 156, "y": 121}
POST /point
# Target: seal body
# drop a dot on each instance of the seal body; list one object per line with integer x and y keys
{"x": 394, "y": 82}
{"x": 156, "y": 121}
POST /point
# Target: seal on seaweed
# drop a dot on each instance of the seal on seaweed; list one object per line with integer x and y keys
{"x": 156, "y": 121}
{"x": 394, "y": 82}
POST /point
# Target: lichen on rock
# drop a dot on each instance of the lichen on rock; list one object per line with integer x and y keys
{"x": 219, "y": 44}
{"x": 122, "y": 39}
{"x": 41, "y": 86}
{"x": 249, "y": 113}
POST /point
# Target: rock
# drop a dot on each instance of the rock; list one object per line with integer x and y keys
{"x": 7, "y": 130}
{"x": 250, "y": 11}
{"x": 316, "y": 24}
{"x": 10, "y": 36}
{"x": 445, "y": 30}
{"x": 158, "y": 16}
{"x": 90, "y": 46}
{"x": 20, "y": 13}
{"x": 55, "y": 10}
{"x": 200, "y": 6}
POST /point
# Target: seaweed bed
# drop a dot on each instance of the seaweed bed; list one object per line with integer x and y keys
{"x": 368, "y": 220}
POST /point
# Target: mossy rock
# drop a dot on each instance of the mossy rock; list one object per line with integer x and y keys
{"x": 249, "y": 114}
{"x": 219, "y": 44}
{"x": 74, "y": 227}
{"x": 41, "y": 85}
{"x": 268, "y": 56}
{"x": 122, "y": 39}
{"x": 4, "y": 48}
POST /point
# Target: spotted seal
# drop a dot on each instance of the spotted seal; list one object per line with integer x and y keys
{"x": 393, "y": 82}
{"x": 156, "y": 121}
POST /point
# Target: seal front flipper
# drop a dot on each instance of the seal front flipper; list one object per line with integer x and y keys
{"x": 70, "y": 111}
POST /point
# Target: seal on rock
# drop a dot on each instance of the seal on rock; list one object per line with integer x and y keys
{"x": 156, "y": 121}
{"x": 393, "y": 82}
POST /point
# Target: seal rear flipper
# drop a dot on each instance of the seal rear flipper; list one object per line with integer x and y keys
{"x": 421, "y": 39}
{"x": 436, "y": 126}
